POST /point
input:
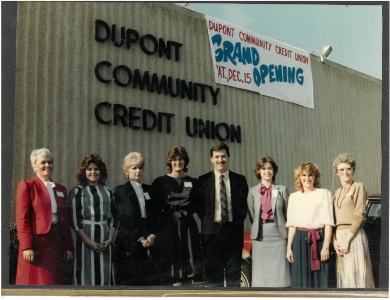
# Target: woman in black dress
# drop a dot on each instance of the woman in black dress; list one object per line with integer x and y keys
{"x": 179, "y": 239}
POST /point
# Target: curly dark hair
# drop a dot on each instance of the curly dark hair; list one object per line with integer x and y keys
{"x": 261, "y": 163}
{"x": 97, "y": 160}
{"x": 177, "y": 152}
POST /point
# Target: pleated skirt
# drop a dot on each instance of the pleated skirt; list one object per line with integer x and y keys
{"x": 270, "y": 267}
{"x": 354, "y": 269}
{"x": 301, "y": 274}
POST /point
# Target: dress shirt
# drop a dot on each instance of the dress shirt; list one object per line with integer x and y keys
{"x": 141, "y": 197}
{"x": 218, "y": 212}
{"x": 310, "y": 210}
{"x": 50, "y": 185}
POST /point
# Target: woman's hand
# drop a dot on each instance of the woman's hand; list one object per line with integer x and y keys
{"x": 344, "y": 246}
{"x": 144, "y": 242}
{"x": 344, "y": 243}
{"x": 149, "y": 241}
{"x": 324, "y": 253}
{"x": 337, "y": 248}
{"x": 290, "y": 256}
{"x": 105, "y": 245}
{"x": 68, "y": 255}
{"x": 28, "y": 255}
{"x": 91, "y": 245}
{"x": 94, "y": 246}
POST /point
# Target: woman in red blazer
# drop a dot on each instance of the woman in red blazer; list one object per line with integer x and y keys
{"x": 43, "y": 226}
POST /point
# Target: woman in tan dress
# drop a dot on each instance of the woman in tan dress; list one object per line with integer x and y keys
{"x": 350, "y": 241}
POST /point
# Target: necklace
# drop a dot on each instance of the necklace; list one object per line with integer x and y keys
{"x": 337, "y": 202}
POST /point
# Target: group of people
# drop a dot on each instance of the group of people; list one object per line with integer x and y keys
{"x": 143, "y": 234}
{"x": 291, "y": 234}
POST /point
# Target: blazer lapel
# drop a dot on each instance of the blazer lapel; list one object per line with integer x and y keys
{"x": 211, "y": 191}
{"x": 275, "y": 188}
{"x": 148, "y": 203}
{"x": 131, "y": 199}
{"x": 42, "y": 191}
{"x": 257, "y": 204}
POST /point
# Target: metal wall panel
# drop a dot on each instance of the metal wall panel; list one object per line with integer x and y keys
{"x": 57, "y": 90}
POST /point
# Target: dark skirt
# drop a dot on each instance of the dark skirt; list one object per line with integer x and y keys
{"x": 301, "y": 274}
{"x": 180, "y": 246}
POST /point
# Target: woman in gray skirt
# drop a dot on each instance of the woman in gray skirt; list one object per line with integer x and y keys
{"x": 267, "y": 204}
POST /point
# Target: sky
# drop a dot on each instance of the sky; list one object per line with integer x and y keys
{"x": 353, "y": 31}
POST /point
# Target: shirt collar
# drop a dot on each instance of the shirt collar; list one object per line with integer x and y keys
{"x": 218, "y": 175}
{"x": 135, "y": 183}
{"x": 267, "y": 188}
{"x": 46, "y": 182}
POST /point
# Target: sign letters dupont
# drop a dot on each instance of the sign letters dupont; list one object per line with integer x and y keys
{"x": 247, "y": 60}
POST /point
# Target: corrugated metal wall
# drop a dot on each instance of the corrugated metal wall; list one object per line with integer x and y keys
{"x": 57, "y": 90}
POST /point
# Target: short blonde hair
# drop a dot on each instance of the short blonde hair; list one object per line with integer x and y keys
{"x": 310, "y": 168}
{"x": 344, "y": 158}
{"x": 41, "y": 151}
{"x": 132, "y": 159}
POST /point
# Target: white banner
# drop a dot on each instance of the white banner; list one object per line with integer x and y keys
{"x": 247, "y": 60}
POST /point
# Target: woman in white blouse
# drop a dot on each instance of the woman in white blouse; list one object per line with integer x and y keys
{"x": 309, "y": 222}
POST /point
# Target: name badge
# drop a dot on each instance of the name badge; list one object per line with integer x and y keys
{"x": 187, "y": 184}
{"x": 349, "y": 194}
{"x": 274, "y": 193}
{"x": 60, "y": 194}
{"x": 147, "y": 197}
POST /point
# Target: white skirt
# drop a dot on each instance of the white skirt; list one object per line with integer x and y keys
{"x": 354, "y": 268}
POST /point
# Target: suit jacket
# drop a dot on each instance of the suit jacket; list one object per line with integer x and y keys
{"x": 33, "y": 212}
{"x": 279, "y": 200}
{"x": 128, "y": 212}
{"x": 238, "y": 193}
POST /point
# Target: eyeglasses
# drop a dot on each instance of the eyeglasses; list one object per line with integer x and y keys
{"x": 345, "y": 170}
{"x": 178, "y": 159}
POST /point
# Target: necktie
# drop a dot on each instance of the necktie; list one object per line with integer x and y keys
{"x": 224, "y": 205}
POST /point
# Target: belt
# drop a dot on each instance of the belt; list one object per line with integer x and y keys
{"x": 223, "y": 223}
{"x": 312, "y": 237}
{"x": 269, "y": 221}
{"x": 89, "y": 222}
